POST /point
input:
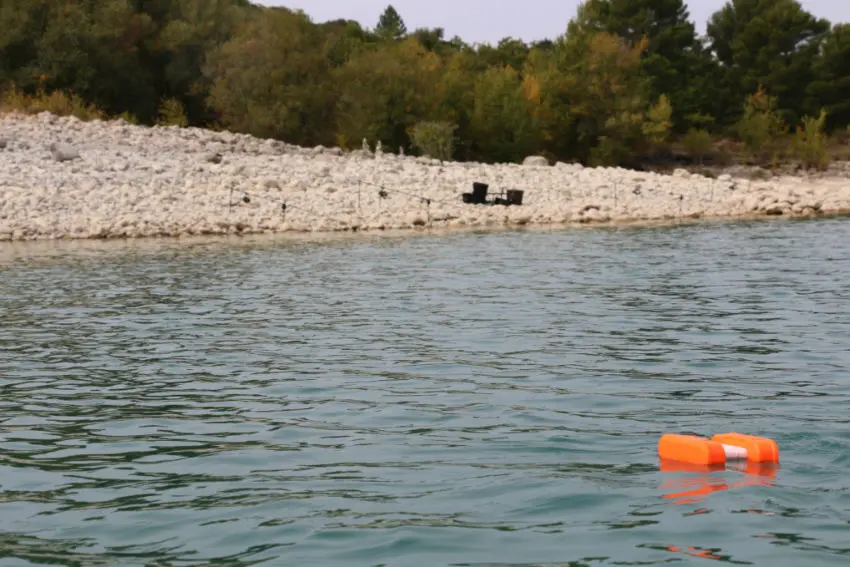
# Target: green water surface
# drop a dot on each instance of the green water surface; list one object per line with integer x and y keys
{"x": 467, "y": 399}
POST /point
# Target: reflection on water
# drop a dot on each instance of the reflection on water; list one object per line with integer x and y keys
{"x": 702, "y": 553}
{"x": 468, "y": 399}
{"x": 702, "y": 480}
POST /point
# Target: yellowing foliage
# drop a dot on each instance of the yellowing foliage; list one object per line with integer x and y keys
{"x": 531, "y": 89}
{"x": 57, "y": 102}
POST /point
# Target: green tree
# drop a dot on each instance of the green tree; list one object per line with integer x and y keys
{"x": 761, "y": 126}
{"x": 698, "y": 144}
{"x": 20, "y": 22}
{"x": 766, "y": 42}
{"x": 172, "y": 113}
{"x": 64, "y": 49}
{"x": 551, "y": 90}
{"x": 391, "y": 25}
{"x": 503, "y": 126}
{"x": 385, "y": 90}
{"x": 509, "y": 51}
{"x": 810, "y": 142}
{"x": 431, "y": 39}
{"x": 125, "y": 78}
{"x": 831, "y": 88}
{"x": 195, "y": 30}
{"x": 434, "y": 139}
{"x": 658, "y": 125}
{"x": 343, "y": 38}
{"x": 93, "y": 49}
{"x": 674, "y": 61}
{"x": 272, "y": 80}
{"x": 624, "y": 78}
{"x": 455, "y": 96}
{"x": 596, "y": 93}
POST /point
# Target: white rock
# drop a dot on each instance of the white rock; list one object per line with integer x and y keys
{"x": 535, "y": 161}
{"x": 63, "y": 152}
{"x": 138, "y": 181}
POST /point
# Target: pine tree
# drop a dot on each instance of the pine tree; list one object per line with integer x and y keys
{"x": 766, "y": 42}
{"x": 390, "y": 25}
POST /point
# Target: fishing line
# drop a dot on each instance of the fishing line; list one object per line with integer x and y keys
{"x": 383, "y": 194}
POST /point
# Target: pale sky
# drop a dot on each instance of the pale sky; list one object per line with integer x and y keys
{"x": 478, "y": 21}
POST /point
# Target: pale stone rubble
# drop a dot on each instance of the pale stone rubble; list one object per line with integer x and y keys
{"x": 63, "y": 178}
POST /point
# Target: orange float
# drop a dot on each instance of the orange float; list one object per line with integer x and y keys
{"x": 718, "y": 450}
{"x": 756, "y": 457}
{"x": 756, "y": 449}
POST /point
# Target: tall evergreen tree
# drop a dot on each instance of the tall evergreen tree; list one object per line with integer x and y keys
{"x": 390, "y": 25}
{"x": 674, "y": 59}
{"x": 830, "y": 89}
{"x": 766, "y": 42}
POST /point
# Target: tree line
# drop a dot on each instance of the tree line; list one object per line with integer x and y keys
{"x": 628, "y": 82}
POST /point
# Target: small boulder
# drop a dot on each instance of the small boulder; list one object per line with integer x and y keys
{"x": 360, "y": 154}
{"x": 63, "y": 152}
{"x": 535, "y": 161}
{"x": 3, "y": 143}
{"x": 778, "y": 208}
{"x": 213, "y": 157}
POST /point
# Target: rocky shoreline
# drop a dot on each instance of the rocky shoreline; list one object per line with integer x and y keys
{"x": 62, "y": 178}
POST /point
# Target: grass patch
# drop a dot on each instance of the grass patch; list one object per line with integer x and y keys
{"x": 60, "y": 103}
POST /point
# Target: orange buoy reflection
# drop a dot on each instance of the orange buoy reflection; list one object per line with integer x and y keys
{"x": 695, "y": 552}
{"x": 694, "y": 489}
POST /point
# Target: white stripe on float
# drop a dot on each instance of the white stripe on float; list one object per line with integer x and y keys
{"x": 734, "y": 453}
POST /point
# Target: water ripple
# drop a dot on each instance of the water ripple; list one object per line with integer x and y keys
{"x": 470, "y": 399}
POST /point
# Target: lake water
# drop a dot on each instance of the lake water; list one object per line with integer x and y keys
{"x": 465, "y": 399}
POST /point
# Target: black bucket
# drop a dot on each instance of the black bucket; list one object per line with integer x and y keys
{"x": 514, "y": 196}
{"x": 479, "y": 192}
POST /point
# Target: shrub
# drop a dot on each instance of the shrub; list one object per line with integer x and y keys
{"x": 658, "y": 123}
{"x": 128, "y": 117}
{"x": 761, "y": 127}
{"x": 434, "y": 139}
{"x": 65, "y": 104}
{"x": 698, "y": 144}
{"x": 57, "y": 102}
{"x": 810, "y": 143}
{"x": 609, "y": 152}
{"x": 172, "y": 113}
{"x": 699, "y": 120}
{"x": 14, "y": 100}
